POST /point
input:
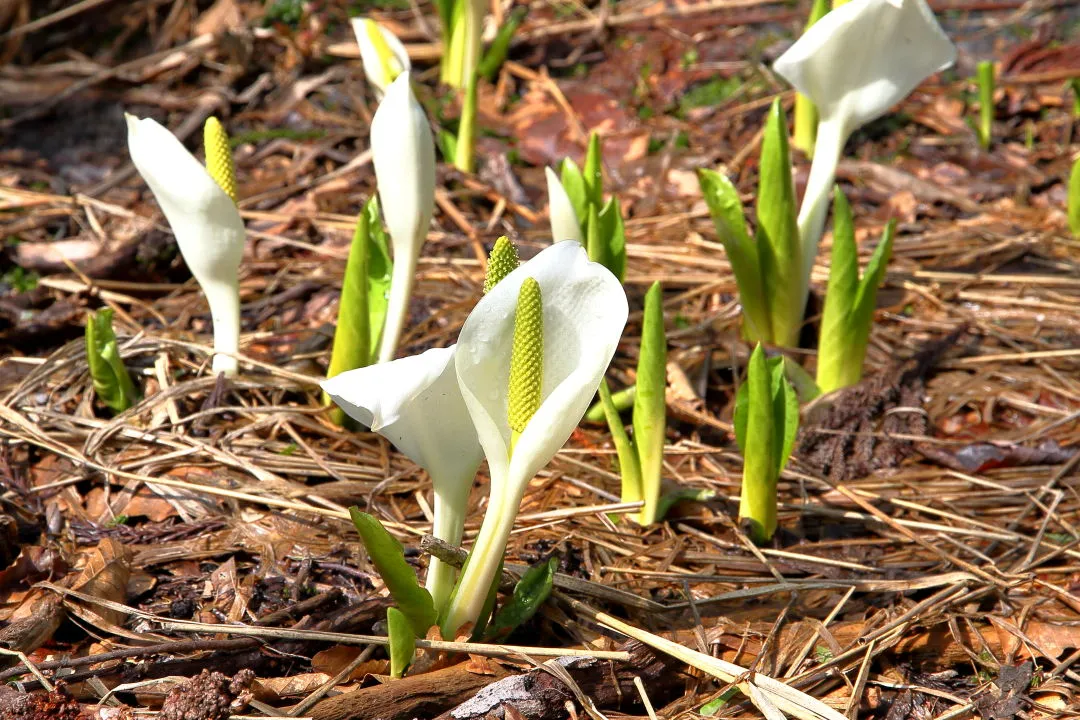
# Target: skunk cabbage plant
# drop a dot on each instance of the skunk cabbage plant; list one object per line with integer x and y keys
{"x": 200, "y": 209}
{"x": 529, "y": 359}
{"x": 855, "y": 63}
{"x": 403, "y": 152}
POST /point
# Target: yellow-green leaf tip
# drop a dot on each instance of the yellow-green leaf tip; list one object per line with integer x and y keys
{"x": 527, "y": 357}
{"x": 502, "y": 261}
{"x": 219, "y": 161}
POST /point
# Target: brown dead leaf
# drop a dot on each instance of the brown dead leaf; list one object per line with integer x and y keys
{"x": 104, "y": 574}
{"x": 276, "y": 689}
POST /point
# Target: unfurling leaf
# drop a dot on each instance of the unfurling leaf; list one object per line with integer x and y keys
{"x": 766, "y": 423}
{"x": 389, "y": 559}
{"x": 530, "y": 592}
{"x": 112, "y": 383}
{"x": 496, "y": 52}
{"x": 574, "y": 183}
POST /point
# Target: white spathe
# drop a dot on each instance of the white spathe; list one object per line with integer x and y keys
{"x": 854, "y": 64}
{"x": 414, "y": 402}
{"x": 584, "y": 311}
{"x": 205, "y": 221}
{"x": 374, "y": 68}
{"x": 564, "y": 222}
{"x": 403, "y": 152}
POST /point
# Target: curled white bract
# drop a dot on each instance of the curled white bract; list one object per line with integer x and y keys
{"x": 565, "y": 223}
{"x": 205, "y": 221}
{"x": 414, "y": 402}
{"x": 374, "y": 66}
{"x": 403, "y": 153}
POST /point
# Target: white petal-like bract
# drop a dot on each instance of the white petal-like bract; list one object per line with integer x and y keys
{"x": 374, "y": 69}
{"x": 206, "y": 223}
{"x": 564, "y": 222}
{"x": 403, "y": 153}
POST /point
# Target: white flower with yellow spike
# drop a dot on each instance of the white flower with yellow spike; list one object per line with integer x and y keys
{"x": 201, "y": 210}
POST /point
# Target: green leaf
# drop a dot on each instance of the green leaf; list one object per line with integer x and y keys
{"x": 629, "y": 465}
{"x": 785, "y": 411}
{"x": 779, "y": 250}
{"x": 530, "y": 592}
{"x": 112, "y": 383}
{"x": 670, "y": 499}
{"x": 389, "y": 559}
{"x": 611, "y": 221}
{"x": 574, "y": 183}
{"x": 594, "y": 237}
{"x": 448, "y": 145}
{"x": 1074, "y": 197}
{"x": 623, "y": 401}
{"x": 650, "y": 407}
{"x": 402, "y": 641}
{"x": 742, "y": 399}
{"x": 862, "y": 317}
{"x": 594, "y": 172}
{"x": 463, "y": 149}
{"x": 834, "y": 340}
{"x": 446, "y": 11}
{"x": 496, "y": 52}
{"x": 760, "y": 449}
{"x": 379, "y": 270}
{"x": 727, "y": 214}
{"x": 352, "y": 335}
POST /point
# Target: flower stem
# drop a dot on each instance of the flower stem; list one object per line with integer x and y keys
{"x": 224, "y": 301}
{"x": 831, "y": 136}
{"x": 401, "y": 285}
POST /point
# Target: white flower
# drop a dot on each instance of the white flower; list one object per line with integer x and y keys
{"x": 403, "y": 152}
{"x": 854, "y": 64}
{"x": 564, "y": 222}
{"x": 205, "y": 221}
{"x": 414, "y": 402}
{"x": 584, "y": 312}
{"x": 380, "y": 71}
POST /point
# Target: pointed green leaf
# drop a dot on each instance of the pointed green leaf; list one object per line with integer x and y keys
{"x": 785, "y": 414}
{"x": 466, "y": 139}
{"x": 402, "y": 641}
{"x": 650, "y": 406}
{"x": 593, "y": 172}
{"x": 777, "y": 235}
{"x": 530, "y": 592}
{"x": 112, "y": 383}
{"x": 629, "y": 466}
{"x": 834, "y": 340}
{"x": 352, "y": 334}
{"x": 758, "y": 497}
{"x": 389, "y": 559}
{"x": 614, "y": 237}
{"x": 574, "y": 183}
{"x": 379, "y": 270}
{"x": 594, "y": 238}
{"x": 448, "y": 145}
{"x": 862, "y": 315}
{"x": 739, "y": 419}
{"x": 726, "y": 209}
{"x": 496, "y": 52}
